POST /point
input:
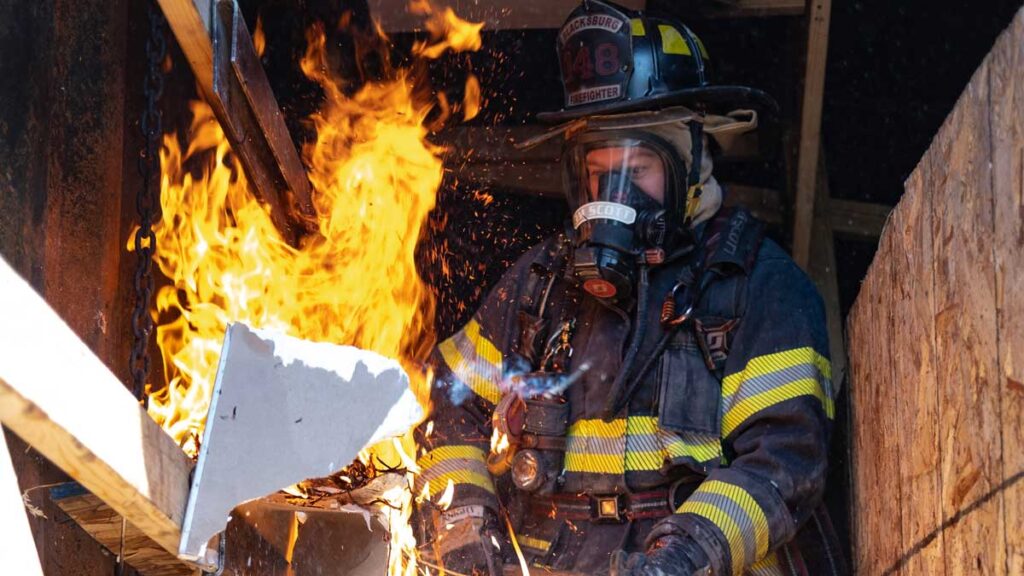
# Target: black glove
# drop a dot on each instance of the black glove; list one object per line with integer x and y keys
{"x": 669, "y": 553}
{"x": 473, "y": 544}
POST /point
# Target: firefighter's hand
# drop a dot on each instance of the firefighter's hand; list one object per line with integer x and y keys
{"x": 473, "y": 546}
{"x": 670, "y": 555}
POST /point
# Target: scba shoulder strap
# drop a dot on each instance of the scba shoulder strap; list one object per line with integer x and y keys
{"x": 535, "y": 299}
{"x": 732, "y": 243}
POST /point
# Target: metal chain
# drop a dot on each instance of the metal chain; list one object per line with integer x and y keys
{"x": 148, "y": 165}
{"x": 151, "y": 124}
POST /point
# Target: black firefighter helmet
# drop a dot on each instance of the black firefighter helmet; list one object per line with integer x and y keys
{"x": 615, "y": 60}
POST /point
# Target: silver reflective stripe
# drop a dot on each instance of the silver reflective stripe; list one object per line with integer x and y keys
{"x": 605, "y": 211}
{"x": 461, "y": 513}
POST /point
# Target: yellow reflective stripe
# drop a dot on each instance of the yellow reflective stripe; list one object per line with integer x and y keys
{"x": 763, "y": 365}
{"x": 767, "y": 566}
{"x": 535, "y": 543}
{"x": 773, "y": 378}
{"x": 642, "y": 461}
{"x": 672, "y": 42}
{"x": 598, "y": 428}
{"x": 704, "y": 450}
{"x": 636, "y": 425}
{"x": 479, "y": 371}
{"x": 484, "y": 348}
{"x": 745, "y": 501}
{"x": 460, "y": 463}
{"x": 594, "y": 463}
{"x": 746, "y": 408}
{"x": 465, "y": 477}
{"x": 635, "y": 444}
{"x": 726, "y": 524}
{"x": 637, "y": 27}
{"x": 442, "y": 453}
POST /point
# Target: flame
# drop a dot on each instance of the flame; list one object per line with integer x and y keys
{"x": 353, "y": 281}
{"x": 471, "y": 103}
{"x": 259, "y": 39}
{"x": 515, "y": 546}
{"x": 445, "y": 501}
{"x": 499, "y": 442}
{"x": 293, "y": 537}
{"x": 455, "y": 33}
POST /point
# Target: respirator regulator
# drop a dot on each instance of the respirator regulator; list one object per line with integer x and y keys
{"x": 623, "y": 194}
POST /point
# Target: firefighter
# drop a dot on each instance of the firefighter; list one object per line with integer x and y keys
{"x": 649, "y": 392}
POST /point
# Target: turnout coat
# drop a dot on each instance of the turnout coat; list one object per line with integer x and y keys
{"x": 729, "y": 428}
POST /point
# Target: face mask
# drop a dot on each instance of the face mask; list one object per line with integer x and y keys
{"x": 612, "y": 233}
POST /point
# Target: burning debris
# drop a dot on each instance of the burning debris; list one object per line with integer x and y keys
{"x": 354, "y": 281}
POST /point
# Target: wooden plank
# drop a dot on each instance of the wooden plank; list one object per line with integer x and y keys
{"x": 915, "y": 391}
{"x": 853, "y": 218}
{"x": 105, "y": 525}
{"x": 752, "y": 8}
{"x": 213, "y": 36}
{"x": 60, "y": 398}
{"x": 537, "y": 14}
{"x": 191, "y": 22}
{"x": 487, "y": 155}
{"x": 1007, "y": 97}
{"x": 394, "y": 15}
{"x": 17, "y": 547}
{"x": 876, "y": 448}
{"x": 965, "y": 332}
{"x": 764, "y": 203}
{"x": 824, "y": 272}
{"x": 819, "y": 16}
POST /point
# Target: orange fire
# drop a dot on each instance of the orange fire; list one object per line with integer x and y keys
{"x": 375, "y": 179}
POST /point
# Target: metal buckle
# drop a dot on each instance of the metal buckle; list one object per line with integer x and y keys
{"x": 608, "y": 508}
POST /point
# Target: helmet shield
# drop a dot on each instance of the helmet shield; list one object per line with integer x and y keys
{"x": 615, "y": 60}
{"x": 595, "y": 54}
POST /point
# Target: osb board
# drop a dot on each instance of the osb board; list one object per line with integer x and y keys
{"x": 946, "y": 296}
{"x": 965, "y": 332}
{"x": 105, "y": 525}
{"x": 1007, "y": 97}
{"x": 917, "y": 401}
{"x": 876, "y": 449}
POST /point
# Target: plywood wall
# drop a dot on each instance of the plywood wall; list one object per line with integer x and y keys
{"x": 937, "y": 349}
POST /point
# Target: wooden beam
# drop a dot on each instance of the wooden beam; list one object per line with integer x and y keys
{"x": 17, "y": 547}
{"x": 862, "y": 219}
{"x": 61, "y": 399}
{"x": 752, "y": 8}
{"x": 220, "y": 52}
{"x": 394, "y": 15}
{"x": 764, "y": 203}
{"x": 106, "y": 526}
{"x": 825, "y": 273}
{"x": 819, "y": 16}
{"x": 526, "y": 14}
{"x": 486, "y": 155}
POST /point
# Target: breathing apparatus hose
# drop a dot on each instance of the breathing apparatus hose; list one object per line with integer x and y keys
{"x": 611, "y": 405}
{"x": 658, "y": 349}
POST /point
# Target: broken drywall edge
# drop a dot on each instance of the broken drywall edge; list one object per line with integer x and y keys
{"x": 284, "y": 410}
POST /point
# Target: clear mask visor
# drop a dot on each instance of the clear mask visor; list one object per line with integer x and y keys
{"x": 617, "y": 171}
